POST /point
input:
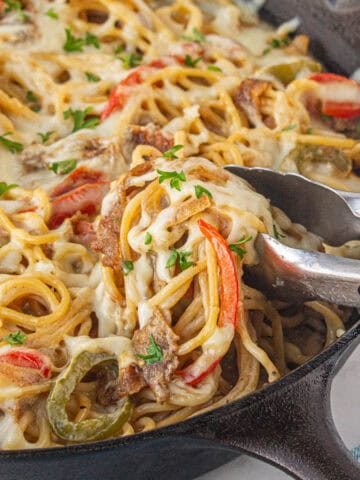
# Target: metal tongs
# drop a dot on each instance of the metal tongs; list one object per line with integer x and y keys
{"x": 295, "y": 275}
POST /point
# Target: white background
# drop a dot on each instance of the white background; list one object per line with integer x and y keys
{"x": 345, "y": 399}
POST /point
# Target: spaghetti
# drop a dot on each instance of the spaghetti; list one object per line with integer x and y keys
{"x": 122, "y": 301}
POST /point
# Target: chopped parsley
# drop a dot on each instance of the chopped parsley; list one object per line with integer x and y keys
{"x": 277, "y": 43}
{"x": 277, "y": 234}
{"x": 197, "y": 36}
{"x": 236, "y": 247}
{"x": 290, "y": 127}
{"x": 92, "y": 77}
{"x": 5, "y": 187}
{"x": 154, "y": 352}
{"x": 127, "y": 267}
{"x": 174, "y": 177}
{"x": 131, "y": 60}
{"x": 17, "y": 338}
{"x": 310, "y": 131}
{"x": 191, "y": 62}
{"x": 63, "y": 167}
{"x": 17, "y": 6}
{"x": 50, "y": 13}
{"x": 45, "y": 136}
{"x": 182, "y": 257}
{"x": 357, "y": 128}
{"x": 199, "y": 191}
{"x": 33, "y": 100}
{"x": 13, "y": 147}
{"x": 172, "y": 151}
{"x": 214, "y": 68}
{"x": 76, "y": 44}
{"x": 324, "y": 116}
{"x": 119, "y": 49}
{"x": 148, "y": 238}
{"x": 80, "y": 120}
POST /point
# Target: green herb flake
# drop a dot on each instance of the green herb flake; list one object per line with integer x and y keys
{"x": 214, "y": 68}
{"x": 277, "y": 234}
{"x": 191, "y": 62}
{"x": 17, "y": 338}
{"x": 91, "y": 39}
{"x": 131, "y": 60}
{"x": 357, "y": 129}
{"x": 174, "y": 177}
{"x": 310, "y": 131}
{"x": 182, "y": 257}
{"x": 16, "y": 6}
{"x": 13, "y": 147}
{"x": 236, "y": 247}
{"x": 5, "y": 187}
{"x": 31, "y": 97}
{"x": 200, "y": 190}
{"x": 63, "y": 167}
{"x": 51, "y": 14}
{"x": 92, "y": 77}
{"x": 45, "y": 136}
{"x": 172, "y": 151}
{"x": 266, "y": 51}
{"x": 197, "y": 36}
{"x": 324, "y": 116}
{"x": 154, "y": 352}
{"x": 119, "y": 49}
{"x": 290, "y": 127}
{"x": 73, "y": 44}
{"x": 148, "y": 238}
{"x": 279, "y": 42}
{"x": 127, "y": 267}
{"x": 80, "y": 120}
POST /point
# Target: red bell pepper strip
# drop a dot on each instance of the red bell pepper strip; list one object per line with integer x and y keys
{"x": 229, "y": 296}
{"x": 85, "y": 199}
{"x": 28, "y": 358}
{"x": 121, "y": 93}
{"x": 339, "y": 109}
{"x": 77, "y": 178}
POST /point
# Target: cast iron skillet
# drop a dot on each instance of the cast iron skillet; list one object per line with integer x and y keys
{"x": 288, "y": 423}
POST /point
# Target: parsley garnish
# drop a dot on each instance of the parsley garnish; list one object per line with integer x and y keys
{"x": 91, "y": 39}
{"x": 196, "y": 37}
{"x": 119, "y": 49}
{"x": 175, "y": 178}
{"x": 191, "y": 62}
{"x": 63, "y": 167}
{"x": 4, "y": 187}
{"x": 214, "y": 68}
{"x": 290, "y": 127}
{"x": 310, "y": 131}
{"x": 235, "y": 247}
{"x": 148, "y": 238}
{"x": 127, "y": 267}
{"x": 15, "y": 338}
{"x": 324, "y": 116}
{"x": 154, "y": 352}
{"x": 50, "y": 13}
{"x": 276, "y": 43}
{"x": 357, "y": 128}
{"x": 131, "y": 60}
{"x": 76, "y": 44}
{"x": 92, "y": 77}
{"x": 72, "y": 44}
{"x": 277, "y": 234}
{"x": 199, "y": 191}
{"x": 32, "y": 98}
{"x": 17, "y": 7}
{"x": 182, "y": 256}
{"x": 79, "y": 118}
{"x": 13, "y": 147}
{"x": 45, "y": 136}
{"x": 171, "y": 152}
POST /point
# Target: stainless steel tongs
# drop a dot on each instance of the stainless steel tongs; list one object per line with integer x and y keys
{"x": 295, "y": 275}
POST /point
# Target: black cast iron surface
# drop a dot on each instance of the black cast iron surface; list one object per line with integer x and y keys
{"x": 288, "y": 423}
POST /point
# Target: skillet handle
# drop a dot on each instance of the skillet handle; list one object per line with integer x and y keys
{"x": 292, "y": 427}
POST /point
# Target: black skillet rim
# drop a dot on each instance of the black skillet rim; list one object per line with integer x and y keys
{"x": 333, "y": 351}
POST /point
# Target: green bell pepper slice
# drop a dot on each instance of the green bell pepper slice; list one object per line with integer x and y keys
{"x": 90, "y": 429}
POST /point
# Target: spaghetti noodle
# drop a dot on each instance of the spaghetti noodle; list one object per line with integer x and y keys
{"x": 122, "y": 301}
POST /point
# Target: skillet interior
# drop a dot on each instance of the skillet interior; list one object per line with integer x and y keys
{"x": 335, "y": 40}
